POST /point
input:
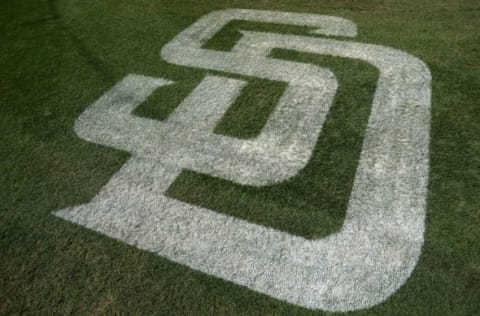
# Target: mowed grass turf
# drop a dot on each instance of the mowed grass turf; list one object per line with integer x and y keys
{"x": 57, "y": 57}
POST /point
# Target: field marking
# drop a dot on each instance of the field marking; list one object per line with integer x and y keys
{"x": 380, "y": 242}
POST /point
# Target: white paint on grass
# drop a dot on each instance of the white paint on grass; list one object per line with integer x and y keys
{"x": 380, "y": 242}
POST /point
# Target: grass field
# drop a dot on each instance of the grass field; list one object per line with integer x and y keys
{"x": 57, "y": 57}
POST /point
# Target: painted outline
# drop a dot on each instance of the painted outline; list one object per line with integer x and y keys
{"x": 380, "y": 242}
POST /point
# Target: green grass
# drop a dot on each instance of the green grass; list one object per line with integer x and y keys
{"x": 313, "y": 203}
{"x": 57, "y": 57}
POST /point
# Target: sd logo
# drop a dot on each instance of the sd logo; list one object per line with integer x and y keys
{"x": 382, "y": 236}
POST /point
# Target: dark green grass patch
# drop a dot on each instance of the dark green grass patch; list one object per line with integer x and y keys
{"x": 247, "y": 116}
{"x": 57, "y": 57}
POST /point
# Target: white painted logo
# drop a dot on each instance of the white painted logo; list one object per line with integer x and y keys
{"x": 380, "y": 242}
